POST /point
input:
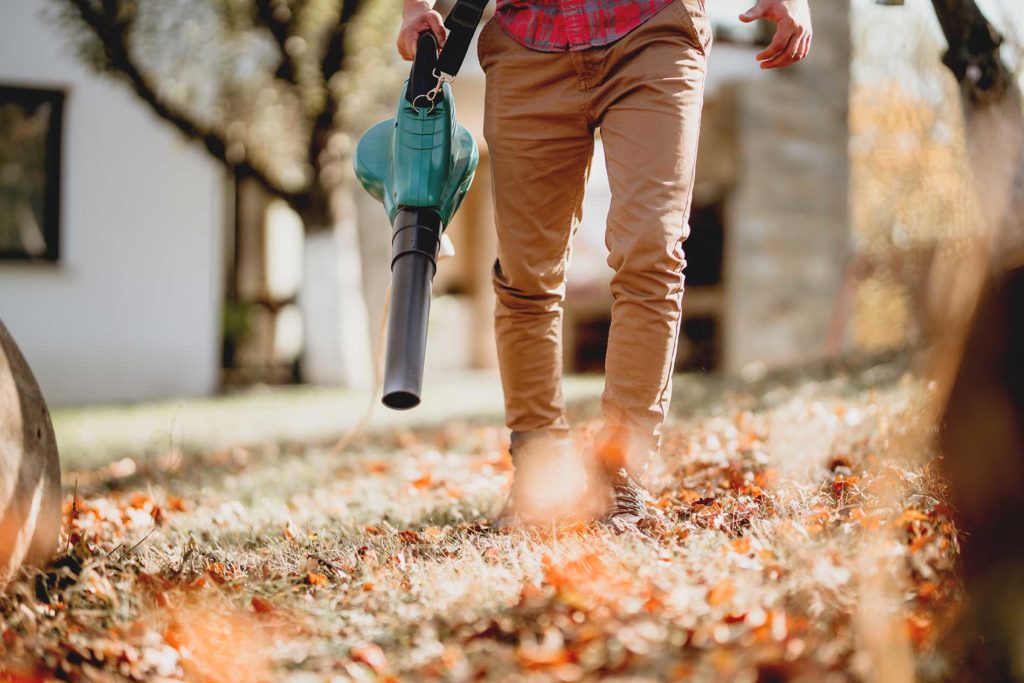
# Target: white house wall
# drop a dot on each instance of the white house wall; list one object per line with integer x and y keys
{"x": 131, "y": 310}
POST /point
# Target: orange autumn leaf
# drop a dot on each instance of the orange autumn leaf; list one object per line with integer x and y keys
{"x": 589, "y": 580}
{"x": 721, "y": 592}
{"x": 918, "y": 628}
{"x": 261, "y": 606}
{"x": 26, "y": 676}
{"x": 844, "y": 485}
{"x": 372, "y": 656}
{"x": 539, "y": 658}
{"x": 920, "y": 542}
{"x": 139, "y": 501}
{"x": 748, "y": 440}
{"x": 314, "y": 579}
{"x": 573, "y": 529}
{"x": 423, "y": 481}
{"x": 765, "y": 478}
{"x": 222, "y": 643}
{"x": 175, "y": 504}
{"x": 503, "y": 463}
{"x": 741, "y": 545}
{"x": 409, "y": 537}
{"x": 911, "y": 515}
{"x": 173, "y": 636}
{"x": 680, "y": 672}
{"x": 653, "y": 605}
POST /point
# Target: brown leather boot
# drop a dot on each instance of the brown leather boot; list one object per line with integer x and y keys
{"x": 615, "y": 475}
{"x": 549, "y": 485}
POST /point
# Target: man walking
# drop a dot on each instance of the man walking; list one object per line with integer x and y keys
{"x": 557, "y": 71}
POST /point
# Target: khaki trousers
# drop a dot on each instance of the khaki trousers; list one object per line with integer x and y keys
{"x": 645, "y": 93}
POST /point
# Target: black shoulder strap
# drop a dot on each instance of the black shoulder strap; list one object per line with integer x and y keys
{"x": 461, "y": 23}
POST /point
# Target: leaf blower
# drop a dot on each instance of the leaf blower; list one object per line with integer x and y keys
{"x": 420, "y": 164}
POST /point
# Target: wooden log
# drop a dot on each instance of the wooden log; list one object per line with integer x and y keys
{"x": 30, "y": 495}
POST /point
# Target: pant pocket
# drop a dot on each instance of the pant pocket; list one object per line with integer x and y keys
{"x": 482, "y": 42}
{"x": 696, "y": 20}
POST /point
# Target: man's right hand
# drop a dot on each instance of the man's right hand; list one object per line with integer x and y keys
{"x": 792, "y": 34}
{"x": 418, "y": 16}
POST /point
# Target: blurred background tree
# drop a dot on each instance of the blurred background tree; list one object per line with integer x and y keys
{"x": 982, "y": 428}
{"x": 260, "y": 84}
{"x": 277, "y": 91}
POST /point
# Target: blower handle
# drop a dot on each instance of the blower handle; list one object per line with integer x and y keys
{"x": 421, "y": 75}
{"x": 414, "y": 246}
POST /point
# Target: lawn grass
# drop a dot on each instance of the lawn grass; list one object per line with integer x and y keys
{"x": 807, "y": 539}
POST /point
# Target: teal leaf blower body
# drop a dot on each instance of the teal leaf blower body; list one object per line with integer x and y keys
{"x": 420, "y": 165}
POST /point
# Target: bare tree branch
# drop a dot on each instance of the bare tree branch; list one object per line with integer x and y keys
{"x": 325, "y": 120}
{"x": 973, "y": 54}
{"x": 111, "y": 26}
{"x": 266, "y": 13}
{"x": 994, "y": 119}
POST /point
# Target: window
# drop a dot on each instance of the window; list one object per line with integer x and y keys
{"x": 30, "y": 164}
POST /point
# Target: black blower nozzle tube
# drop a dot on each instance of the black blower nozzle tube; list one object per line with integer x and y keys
{"x": 414, "y": 247}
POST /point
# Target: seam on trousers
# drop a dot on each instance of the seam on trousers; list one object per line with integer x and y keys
{"x": 559, "y": 307}
{"x": 577, "y": 203}
{"x": 581, "y": 104}
{"x": 663, "y": 403}
{"x": 698, "y": 39}
{"x": 566, "y": 247}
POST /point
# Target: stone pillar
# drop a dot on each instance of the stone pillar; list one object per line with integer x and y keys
{"x": 788, "y": 220}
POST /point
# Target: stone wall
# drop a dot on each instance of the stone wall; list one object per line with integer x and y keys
{"x": 788, "y": 218}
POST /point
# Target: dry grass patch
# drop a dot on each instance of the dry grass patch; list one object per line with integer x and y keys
{"x": 807, "y": 540}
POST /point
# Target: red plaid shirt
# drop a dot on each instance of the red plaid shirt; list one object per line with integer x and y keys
{"x": 558, "y": 25}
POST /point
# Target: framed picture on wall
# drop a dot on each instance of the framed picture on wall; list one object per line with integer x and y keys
{"x": 30, "y": 173}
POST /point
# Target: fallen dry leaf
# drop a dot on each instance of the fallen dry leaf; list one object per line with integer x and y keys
{"x": 314, "y": 579}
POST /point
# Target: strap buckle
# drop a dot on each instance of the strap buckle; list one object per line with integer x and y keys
{"x": 461, "y": 22}
{"x": 432, "y": 94}
{"x": 465, "y": 14}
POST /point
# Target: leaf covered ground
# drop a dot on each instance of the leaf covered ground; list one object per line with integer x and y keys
{"x": 807, "y": 540}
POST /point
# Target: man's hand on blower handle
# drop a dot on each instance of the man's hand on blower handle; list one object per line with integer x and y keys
{"x": 792, "y": 39}
{"x": 419, "y": 16}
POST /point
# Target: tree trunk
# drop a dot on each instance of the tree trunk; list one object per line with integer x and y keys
{"x": 981, "y": 352}
{"x": 375, "y": 252}
{"x": 993, "y": 114}
{"x": 337, "y": 349}
{"x": 982, "y": 437}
